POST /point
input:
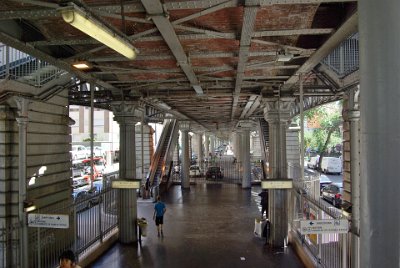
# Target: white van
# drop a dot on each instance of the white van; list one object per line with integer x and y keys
{"x": 331, "y": 165}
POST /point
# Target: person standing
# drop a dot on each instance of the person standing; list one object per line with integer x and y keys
{"x": 159, "y": 211}
{"x": 264, "y": 203}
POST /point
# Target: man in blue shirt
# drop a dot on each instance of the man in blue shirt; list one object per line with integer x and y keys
{"x": 159, "y": 210}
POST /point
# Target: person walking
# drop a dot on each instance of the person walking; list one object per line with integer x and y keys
{"x": 264, "y": 203}
{"x": 68, "y": 260}
{"x": 159, "y": 211}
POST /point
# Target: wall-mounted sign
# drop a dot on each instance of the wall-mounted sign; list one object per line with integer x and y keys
{"x": 324, "y": 226}
{"x": 277, "y": 184}
{"x": 48, "y": 221}
{"x": 126, "y": 184}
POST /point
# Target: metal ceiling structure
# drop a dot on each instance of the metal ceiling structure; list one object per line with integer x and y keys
{"x": 209, "y": 61}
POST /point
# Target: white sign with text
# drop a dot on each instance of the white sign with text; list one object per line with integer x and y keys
{"x": 48, "y": 221}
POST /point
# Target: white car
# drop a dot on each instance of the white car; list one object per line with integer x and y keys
{"x": 97, "y": 151}
{"x": 195, "y": 171}
{"x": 79, "y": 152}
{"x": 313, "y": 163}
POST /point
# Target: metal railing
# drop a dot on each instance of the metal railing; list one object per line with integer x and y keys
{"x": 91, "y": 221}
{"x": 17, "y": 65}
{"x": 345, "y": 58}
{"x": 328, "y": 250}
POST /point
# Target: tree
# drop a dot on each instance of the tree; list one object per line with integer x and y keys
{"x": 329, "y": 118}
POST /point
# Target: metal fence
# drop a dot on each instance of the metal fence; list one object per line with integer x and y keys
{"x": 17, "y": 65}
{"x": 328, "y": 250}
{"x": 91, "y": 220}
{"x": 232, "y": 170}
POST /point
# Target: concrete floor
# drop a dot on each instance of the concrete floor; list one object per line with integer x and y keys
{"x": 210, "y": 225}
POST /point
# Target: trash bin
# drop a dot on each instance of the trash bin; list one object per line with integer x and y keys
{"x": 142, "y": 223}
{"x": 259, "y": 226}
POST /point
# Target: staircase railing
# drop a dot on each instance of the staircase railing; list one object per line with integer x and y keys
{"x": 264, "y": 139}
{"x": 17, "y": 65}
{"x": 345, "y": 58}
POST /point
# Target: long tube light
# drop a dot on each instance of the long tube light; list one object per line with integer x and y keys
{"x": 81, "y": 20}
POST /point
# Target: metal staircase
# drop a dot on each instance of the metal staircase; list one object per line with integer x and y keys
{"x": 16, "y": 65}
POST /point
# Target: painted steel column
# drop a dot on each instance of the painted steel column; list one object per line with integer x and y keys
{"x": 238, "y": 152}
{"x": 184, "y": 126}
{"x": 124, "y": 114}
{"x": 379, "y": 29}
{"x": 22, "y": 121}
{"x": 91, "y": 132}
{"x": 200, "y": 149}
{"x": 245, "y": 153}
{"x": 212, "y": 144}
{"x": 207, "y": 145}
{"x": 277, "y": 113}
{"x": 354, "y": 118}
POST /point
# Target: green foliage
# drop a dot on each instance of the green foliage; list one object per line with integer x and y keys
{"x": 328, "y": 135}
{"x": 88, "y": 139}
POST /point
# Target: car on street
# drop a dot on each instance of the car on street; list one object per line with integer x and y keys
{"x": 323, "y": 181}
{"x": 79, "y": 152}
{"x": 85, "y": 199}
{"x": 214, "y": 173}
{"x": 333, "y": 194}
{"x": 77, "y": 171}
{"x": 99, "y": 164}
{"x": 313, "y": 163}
{"x": 195, "y": 171}
{"x": 331, "y": 165}
{"x": 98, "y": 151}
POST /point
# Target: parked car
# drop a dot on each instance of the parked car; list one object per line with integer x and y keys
{"x": 333, "y": 194}
{"x": 323, "y": 181}
{"x": 214, "y": 173}
{"x": 85, "y": 199}
{"x": 79, "y": 184}
{"x": 98, "y": 151}
{"x": 79, "y": 152}
{"x": 313, "y": 163}
{"x": 195, "y": 171}
{"x": 77, "y": 171}
{"x": 331, "y": 165}
{"x": 98, "y": 162}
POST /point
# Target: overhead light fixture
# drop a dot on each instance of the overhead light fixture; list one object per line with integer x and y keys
{"x": 283, "y": 56}
{"x": 86, "y": 23}
{"x": 82, "y": 65}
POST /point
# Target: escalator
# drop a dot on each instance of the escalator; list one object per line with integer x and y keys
{"x": 161, "y": 162}
{"x": 264, "y": 140}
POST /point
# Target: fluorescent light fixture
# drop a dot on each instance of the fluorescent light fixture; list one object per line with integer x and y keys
{"x": 29, "y": 206}
{"x": 82, "y": 20}
{"x": 81, "y": 65}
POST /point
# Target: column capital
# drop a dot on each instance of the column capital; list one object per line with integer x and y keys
{"x": 278, "y": 109}
{"x": 354, "y": 99}
{"x": 184, "y": 125}
{"x": 353, "y": 115}
{"x": 126, "y": 112}
{"x": 23, "y": 106}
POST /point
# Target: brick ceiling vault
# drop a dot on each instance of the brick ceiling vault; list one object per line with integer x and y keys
{"x": 209, "y": 61}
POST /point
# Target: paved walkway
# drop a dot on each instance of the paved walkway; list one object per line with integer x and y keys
{"x": 209, "y": 226}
